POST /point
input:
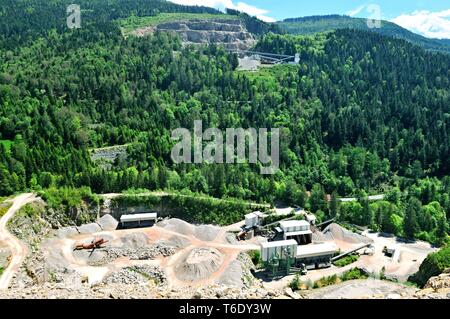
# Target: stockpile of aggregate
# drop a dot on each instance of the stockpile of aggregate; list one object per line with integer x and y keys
{"x": 202, "y": 232}
{"x": 335, "y": 232}
{"x": 198, "y": 264}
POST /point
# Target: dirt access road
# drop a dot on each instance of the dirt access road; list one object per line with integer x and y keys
{"x": 17, "y": 248}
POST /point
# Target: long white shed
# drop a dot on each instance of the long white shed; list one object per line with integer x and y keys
{"x": 290, "y": 226}
{"x": 138, "y": 217}
{"x": 316, "y": 250}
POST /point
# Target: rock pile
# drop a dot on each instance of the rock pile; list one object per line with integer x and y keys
{"x": 202, "y": 232}
{"x": 108, "y": 223}
{"x": 437, "y": 287}
{"x": 198, "y": 264}
{"x": 144, "y": 253}
{"x": 335, "y": 232}
{"x": 136, "y": 275}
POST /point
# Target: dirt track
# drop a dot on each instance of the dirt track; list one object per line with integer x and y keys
{"x": 17, "y": 248}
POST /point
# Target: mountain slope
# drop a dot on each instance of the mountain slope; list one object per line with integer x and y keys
{"x": 22, "y": 21}
{"x": 316, "y": 24}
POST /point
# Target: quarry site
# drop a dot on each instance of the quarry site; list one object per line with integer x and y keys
{"x": 141, "y": 255}
{"x": 229, "y": 32}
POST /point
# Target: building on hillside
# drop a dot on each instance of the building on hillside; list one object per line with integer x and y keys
{"x": 138, "y": 220}
{"x": 284, "y": 254}
{"x": 299, "y": 230}
{"x": 249, "y": 64}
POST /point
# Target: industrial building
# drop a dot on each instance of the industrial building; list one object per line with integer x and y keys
{"x": 138, "y": 220}
{"x": 254, "y": 219}
{"x": 278, "y": 249}
{"x": 288, "y": 253}
{"x": 316, "y": 255}
{"x": 299, "y": 230}
{"x": 312, "y": 219}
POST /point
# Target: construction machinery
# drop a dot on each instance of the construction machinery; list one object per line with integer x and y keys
{"x": 94, "y": 244}
{"x": 389, "y": 252}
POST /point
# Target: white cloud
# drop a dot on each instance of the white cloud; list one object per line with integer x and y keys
{"x": 223, "y": 4}
{"x": 354, "y": 12}
{"x": 426, "y": 23}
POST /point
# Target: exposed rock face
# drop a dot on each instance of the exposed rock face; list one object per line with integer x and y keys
{"x": 437, "y": 287}
{"x": 229, "y": 32}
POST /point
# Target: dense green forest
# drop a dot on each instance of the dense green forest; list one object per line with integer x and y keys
{"x": 317, "y": 24}
{"x": 360, "y": 114}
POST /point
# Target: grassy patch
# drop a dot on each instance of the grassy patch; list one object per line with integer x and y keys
{"x": 255, "y": 256}
{"x": 347, "y": 260}
{"x": 7, "y": 144}
{"x": 1, "y": 270}
{"x": 298, "y": 284}
{"x": 67, "y": 196}
{"x": 133, "y": 22}
{"x": 352, "y": 274}
{"x": 4, "y": 207}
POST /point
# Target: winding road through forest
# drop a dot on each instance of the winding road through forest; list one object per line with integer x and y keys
{"x": 17, "y": 248}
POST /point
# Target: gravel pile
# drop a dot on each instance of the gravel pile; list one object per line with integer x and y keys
{"x": 138, "y": 291}
{"x": 232, "y": 276}
{"x": 135, "y": 240}
{"x": 177, "y": 226}
{"x": 108, "y": 223}
{"x": 202, "y": 232}
{"x": 124, "y": 276}
{"x": 136, "y": 275}
{"x": 335, "y": 232}
{"x": 66, "y": 232}
{"x": 206, "y": 232}
{"x": 176, "y": 242}
{"x": 198, "y": 264}
{"x": 89, "y": 228}
{"x": 144, "y": 253}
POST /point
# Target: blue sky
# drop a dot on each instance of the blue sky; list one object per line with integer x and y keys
{"x": 430, "y": 18}
{"x": 281, "y": 9}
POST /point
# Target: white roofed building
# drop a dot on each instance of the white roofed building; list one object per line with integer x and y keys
{"x": 300, "y": 230}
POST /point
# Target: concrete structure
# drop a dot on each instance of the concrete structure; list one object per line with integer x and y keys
{"x": 314, "y": 250}
{"x": 249, "y": 64}
{"x": 252, "y": 60}
{"x": 317, "y": 255}
{"x": 296, "y": 59}
{"x": 278, "y": 250}
{"x": 310, "y": 256}
{"x": 254, "y": 219}
{"x": 137, "y": 220}
{"x": 311, "y": 219}
{"x": 297, "y": 229}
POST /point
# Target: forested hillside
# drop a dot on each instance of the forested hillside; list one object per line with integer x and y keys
{"x": 362, "y": 113}
{"x": 317, "y": 24}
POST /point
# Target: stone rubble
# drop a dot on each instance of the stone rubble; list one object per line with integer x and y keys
{"x": 144, "y": 253}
